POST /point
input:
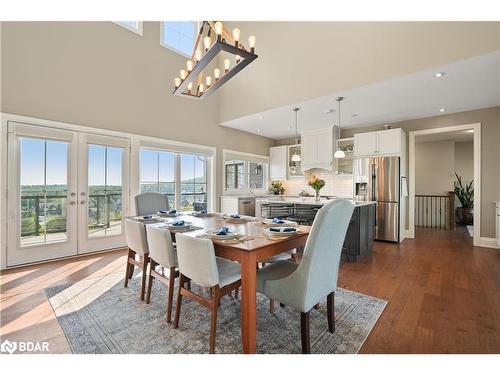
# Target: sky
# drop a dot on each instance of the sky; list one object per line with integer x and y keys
{"x": 34, "y": 156}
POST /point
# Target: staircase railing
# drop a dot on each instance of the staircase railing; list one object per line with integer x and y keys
{"x": 435, "y": 211}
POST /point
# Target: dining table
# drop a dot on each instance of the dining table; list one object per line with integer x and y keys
{"x": 252, "y": 247}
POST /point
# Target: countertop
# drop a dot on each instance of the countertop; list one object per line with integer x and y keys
{"x": 296, "y": 199}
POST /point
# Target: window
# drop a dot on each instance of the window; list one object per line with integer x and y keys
{"x": 158, "y": 173}
{"x": 134, "y": 26}
{"x": 157, "y": 170}
{"x": 179, "y": 36}
{"x": 249, "y": 174}
{"x": 193, "y": 183}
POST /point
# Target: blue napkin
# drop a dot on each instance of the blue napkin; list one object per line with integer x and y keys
{"x": 277, "y": 220}
{"x": 223, "y": 231}
{"x": 147, "y": 217}
{"x": 162, "y": 212}
{"x": 280, "y": 230}
{"x": 171, "y": 212}
{"x": 179, "y": 223}
{"x": 235, "y": 216}
{"x": 203, "y": 211}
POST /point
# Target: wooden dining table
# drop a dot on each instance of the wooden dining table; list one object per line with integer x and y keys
{"x": 254, "y": 247}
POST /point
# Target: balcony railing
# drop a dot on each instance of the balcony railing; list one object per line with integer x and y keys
{"x": 435, "y": 211}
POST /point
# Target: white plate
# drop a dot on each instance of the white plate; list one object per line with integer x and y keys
{"x": 169, "y": 215}
{"x": 287, "y": 223}
{"x": 241, "y": 219}
{"x": 187, "y": 224}
{"x": 279, "y": 234}
{"x": 198, "y": 214}
{"x": 140, "y": 218}
{"x": 231, "y": 234}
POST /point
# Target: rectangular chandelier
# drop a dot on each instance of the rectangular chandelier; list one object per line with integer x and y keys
{"x": 195, "y": 81}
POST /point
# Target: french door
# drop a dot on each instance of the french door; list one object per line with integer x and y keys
{"x": 67, "y": 193}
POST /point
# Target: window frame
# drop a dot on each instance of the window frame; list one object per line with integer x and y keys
{"x": 137, "y": 30}
{"x": 246, "y": 159}
{"x": 196, "y": 25}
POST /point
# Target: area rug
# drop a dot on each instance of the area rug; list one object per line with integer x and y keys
{"x": 101, "y": 316}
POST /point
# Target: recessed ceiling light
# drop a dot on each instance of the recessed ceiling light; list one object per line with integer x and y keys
{"x": 439, "y": 74}
{"x": 442, "y": 110}
{"x": 355, "y": 115}
{"x": 261, "y": 117}
{"x": 328, "y": 111}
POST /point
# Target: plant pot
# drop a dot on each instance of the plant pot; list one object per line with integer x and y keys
{"x": 465, "y": 215}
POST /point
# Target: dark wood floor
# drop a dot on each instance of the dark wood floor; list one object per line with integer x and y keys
{"x": 443, "y": 295}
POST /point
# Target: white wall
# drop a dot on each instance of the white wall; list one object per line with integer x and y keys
{"x": 464, "y": 160}
{"x": 434, "y": 167}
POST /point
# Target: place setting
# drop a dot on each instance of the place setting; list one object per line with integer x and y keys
{"x": 170, "y": 213}
{"x": 202, "y": 213}
{"x": 180, "y": 226}
{"x": 226, "y": 235}
{"x": 277, "y": 222}
{"x": 237, "y": 219}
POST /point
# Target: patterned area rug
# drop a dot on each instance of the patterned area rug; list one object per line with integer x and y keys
{"x": 101, "y": 316}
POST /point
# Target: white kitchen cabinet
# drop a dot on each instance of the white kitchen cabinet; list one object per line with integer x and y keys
{"x": 229, "y": 205}
{"x": 378, "y": 143}
{"x": 278, "y": 162}
{"x": 318, "y": 148}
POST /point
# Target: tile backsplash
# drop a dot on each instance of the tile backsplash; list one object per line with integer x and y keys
{"x": 340, "y": 186}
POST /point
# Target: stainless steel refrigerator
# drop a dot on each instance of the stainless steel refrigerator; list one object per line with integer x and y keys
{"x": 378, "y": 179}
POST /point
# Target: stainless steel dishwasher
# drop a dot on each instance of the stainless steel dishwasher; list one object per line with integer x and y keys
{"x": 246, "y": 206}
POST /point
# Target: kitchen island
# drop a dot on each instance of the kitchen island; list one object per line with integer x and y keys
{"x": 360, "y": 233}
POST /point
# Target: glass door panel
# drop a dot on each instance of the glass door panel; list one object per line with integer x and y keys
{"x": 193, "y": 182}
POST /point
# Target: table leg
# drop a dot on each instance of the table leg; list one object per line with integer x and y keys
{"x": 248, "y": 303}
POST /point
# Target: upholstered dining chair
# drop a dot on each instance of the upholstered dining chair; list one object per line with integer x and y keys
{"x": 150, "y": 203}
{"x": 137, "y": 243}
{"x": 198, "y": 263}
{"x": 301, "y": 286}
{"x": 162, "y": 253}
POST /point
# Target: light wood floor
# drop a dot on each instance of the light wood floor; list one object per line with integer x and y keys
{"x": 444, "y": 295}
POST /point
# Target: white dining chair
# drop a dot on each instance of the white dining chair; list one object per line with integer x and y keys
{"x": 162, "y": 253}
{"x": 135, "y": 233}
{"x": 150, "y": 203}
{"x": 198, "y": 263}
{"x": 302, "y": 286}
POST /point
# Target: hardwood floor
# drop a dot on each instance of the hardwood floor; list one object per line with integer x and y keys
{"x": 444, "y": 295}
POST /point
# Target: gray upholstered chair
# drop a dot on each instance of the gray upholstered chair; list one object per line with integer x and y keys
{"x": 150, "y": 203}
{"x": 162, "y": 253}
{"x": 302, "y": 286}
{"x": 137, "y": 243}
{"x": 198, "y": 263}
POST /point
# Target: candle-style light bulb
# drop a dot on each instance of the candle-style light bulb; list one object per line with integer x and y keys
{"x": 216, "y": 73}
{"x": 227, "y": 64}
{"x": 189, "y": 65}
{"x": 236, "y": 36}
{"x": 207, "y": 42}
{"x": 251, "y": 42}
{"x": 183, "y": 74}
{"x": 208, "y": 80}
{"x": 177, "y": 82}
{"x": 238, "y": 59}
{"x": 218, "y": 29}
{"x": 197, "y": 55}
{"x": 190, "y": 87}
{"x": 201, "y": 88}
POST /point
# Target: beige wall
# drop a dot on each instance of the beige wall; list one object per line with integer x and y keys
{"x": 304, "y": 60}
{"x": 464, "y": 160}
{"x": 101, "y": 75}
{"x": 490, "y": 152}
{"x": 434, "y": 167}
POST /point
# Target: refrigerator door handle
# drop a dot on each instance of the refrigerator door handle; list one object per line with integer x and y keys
{"x": 374, "y": 182}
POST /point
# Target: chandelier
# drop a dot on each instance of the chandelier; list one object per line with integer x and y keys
{"x": 196, "y": 80}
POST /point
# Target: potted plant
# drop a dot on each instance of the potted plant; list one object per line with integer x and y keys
{"x": 465, "y": 194}
{"x": 317, "y": 184}
{"x": 277, "y": 187}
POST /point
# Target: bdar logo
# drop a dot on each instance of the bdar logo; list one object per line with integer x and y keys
{"x": 8, "y": 347}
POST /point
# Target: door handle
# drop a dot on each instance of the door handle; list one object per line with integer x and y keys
{"x": 72, "y": 203}
{"x": 82, "y": 202}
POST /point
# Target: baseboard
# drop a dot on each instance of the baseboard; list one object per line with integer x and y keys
{"x": 408, "y": 234}
{"x": 488, "y": 242}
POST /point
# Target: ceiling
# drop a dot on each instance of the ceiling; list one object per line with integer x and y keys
{"x": 468, "y": 84}
{"x": 457, "y": 136}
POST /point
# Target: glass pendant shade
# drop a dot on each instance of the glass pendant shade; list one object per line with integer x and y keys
{"x": 295, "y": 157}
{"x": 339, "y": 154}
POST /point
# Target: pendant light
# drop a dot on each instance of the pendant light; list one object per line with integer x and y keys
{"x": 339, "y": 154}
{"x": 296, "y": 156}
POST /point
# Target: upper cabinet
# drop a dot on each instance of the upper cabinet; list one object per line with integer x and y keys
{"x": 318, "y": 148}
{"x": 278, "y": 161}
{"x": 294, "y": 167}
{"x": 378, "y": 143}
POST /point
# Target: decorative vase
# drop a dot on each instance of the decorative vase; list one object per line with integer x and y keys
{"x": 316, "y": 197}
{"x": 465, "y": 215}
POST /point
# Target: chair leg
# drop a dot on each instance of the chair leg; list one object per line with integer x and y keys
{"x": 330, "y": 311}
{"x": 128, "y": 267}
{"x": 271, "y": 306}
{"x": 150, "y": 280}
{"x": 179, "y": 301}
{"x": 304, "y": 329}
{"x": 171, "y": 281}
{"x": 236, "y": 293}
{"x": 213, "y": 320}
{"x": 145, "y": 261}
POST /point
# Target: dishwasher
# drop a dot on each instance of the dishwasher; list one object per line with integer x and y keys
{"x": 246, "y": 206}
